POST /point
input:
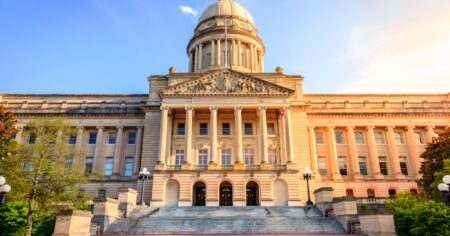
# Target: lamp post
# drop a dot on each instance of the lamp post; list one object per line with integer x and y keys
{"x": 143, "y": 176}
{"x": 4, "y": 189}
{"x": 445, "y": 189}
{"x": 307, "y": 175}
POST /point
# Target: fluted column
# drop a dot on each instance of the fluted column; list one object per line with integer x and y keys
{"x": 352, "y": 153}
{"x": 79, "y": 142}
{"x": 212, "y": 52}
{"x": 263, "y": 128}
{"x": 430, "y": 133}
{"x": 188, "y": 135}
{"x": 200, "y": 57}
{"x": 190, "y": 61}
{"x": 138, "y": 149}
{"x": 332, "y": 153}
{"x": 163, "y": 135}
{"x": 288, "y": 129}
{"x": 413, "y": 151}
{"x": 238, "y": 134}
{"x": 196, "y": 59}
{"x": 373, "y": 154}
{"x": 213, "y": 134}
{"x": 312, "y": 147}
{"x": 118, "y": 151}
{"x": 98, "y": 150}
{"x": 219, "y": 53}
{"x": 393, "y": 153}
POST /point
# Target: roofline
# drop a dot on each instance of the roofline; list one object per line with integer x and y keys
{"x": 376, "y": 94}
{"x": 72, "y": 94}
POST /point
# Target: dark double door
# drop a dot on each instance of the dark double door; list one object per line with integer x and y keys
{"x": 252, "y": 194}
{"x": 199, "y": 194}
{"x": 226, "y": 194}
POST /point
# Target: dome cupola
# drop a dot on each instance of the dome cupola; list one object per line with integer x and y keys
{"x": 226, "y": 37}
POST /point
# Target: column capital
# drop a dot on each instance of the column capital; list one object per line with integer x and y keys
{"x": 390, "y": 127}
{"x": 312, "y": 126}
{"x": 350, "y": 127}
{"x": 213, "y": 108}
{"x": 370, "y": 127}
{"x": 411, "y": 127}
{"x": 139, "y": 127}
{"x": 80, "y": 127}
{"x": 101, "y": 127}
{"x": 119, "y": 127}
{"x": 19, "y": 127}
{"x": 262, "y": 108}
{"x": 164, "y": 108}
{"x": 238, "y": 108}
{"x": 331, "y": 127}
{"x": 188, "y": 108}
{"x": 287, "y": 108}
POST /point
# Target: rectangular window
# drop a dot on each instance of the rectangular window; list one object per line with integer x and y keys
{"x": 322, "y": 163}
{"x": 112, "y": 137}
{"x": 379, "y": 138}
{"x": 342, "y": 165}
{"x": 225, "y": 128}
{"x": 319, "y": 138}
{"x": 179, "y": 157}
{"x": 383, "y": 165}
{"x": 180, "y": 129}
{"x": 362, "y": 165}
{"x": 418, "y": 137}
{"x": 392, "y": 193}
{"x": 109, "y": 165}
{"x": 88, "y": 164}
{"x": 92, "y": 137}
{"x": 203, "y": 157}
{"x": 359, "y": 137}
{"x": 226, "y": 157}
{"x": 398, "y": 138}
{"x": 73, "y": 139}
{"x": 129, "y": 165}
{"x": 248, "y": 156}
{"x": 272, "y": 155}
{"x": 248, "y": 129}
{"x": 32, "y": 138}
{"x": 101, "y": 193}
{"x": 270, "y": 128}
{"x": 339, "y": 137}
{"x": 68, "y": 163}
{"x": 203, "y": 129}
{"x": 131, "y": 137}
{"x": 27, "y": 166}
{"x": 403, "y": 165}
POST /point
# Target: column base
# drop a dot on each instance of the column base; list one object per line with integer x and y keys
{"x": 399, "y": 176}
{"x": 186, "y": 166}
{"x": 378, "y": 176}
{"x": 239, "y": 166}
{"x": 265, "y": 166}
{"x": 213, "y": 166}
{"x": 337, "y": 176}
{"x": 358, "y": 176}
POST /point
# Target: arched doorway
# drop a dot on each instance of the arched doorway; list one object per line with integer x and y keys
{"x": 280, "y": 193}
{"x": 252, "y": 194}
{"x": 172, "y": 193}
{"x": 199, "y": 194}
{"x": 226, "y": 194}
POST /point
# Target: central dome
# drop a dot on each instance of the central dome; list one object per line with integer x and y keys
{"x": 226, "y": 8}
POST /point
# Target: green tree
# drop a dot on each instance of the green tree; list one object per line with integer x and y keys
{"x": 45, "y": 174}
{"x": 432, "y": 169}
{"x": 7, "y": 132}
{"x": 414, "y": 216}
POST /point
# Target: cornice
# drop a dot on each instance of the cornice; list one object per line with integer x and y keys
{"x": 399, "y": 114}
{"x": 122, "y": 115}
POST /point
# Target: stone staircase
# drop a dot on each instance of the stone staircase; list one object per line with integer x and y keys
{"x": 225, "y": 220}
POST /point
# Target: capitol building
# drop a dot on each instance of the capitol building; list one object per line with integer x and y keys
{"x": 229, "y": 133}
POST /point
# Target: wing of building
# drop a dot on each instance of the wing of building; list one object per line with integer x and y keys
{"x": 228, "y": 133}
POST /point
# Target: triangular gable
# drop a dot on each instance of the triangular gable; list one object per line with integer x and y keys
{"x": 226, "y": 82}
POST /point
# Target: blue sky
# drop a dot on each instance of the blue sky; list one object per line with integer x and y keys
{"x": 111, "y": 46}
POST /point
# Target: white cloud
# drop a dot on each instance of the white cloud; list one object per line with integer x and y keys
{"x": 410, "y": 58}
{"x": 187, "y": 10}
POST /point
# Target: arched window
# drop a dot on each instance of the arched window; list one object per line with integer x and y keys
{"x": 370, "y": 193}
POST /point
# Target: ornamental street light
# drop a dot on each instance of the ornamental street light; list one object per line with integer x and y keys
{"x": 307, "y": 175}
{"x": 4, "y": 189}
{"x": 445, "y": 189}
{"x": 144, "y": 174}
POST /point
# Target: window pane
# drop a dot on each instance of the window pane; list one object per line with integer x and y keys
{"x": 362, "y": 165}
{"x": 32, "y": 139}
{"x": 383, "y": 165}
{"x": 112, "y": 138}
{"x": 418, "y": 138}
{"x": 72, "y": 139}
{"x": 226, "y": 157}
{"x": 270, "y": 128}
{"x": 225, "y": 128}
{"x": 370, "y": 193}
{"x": 403, "y": 166}
{"x": 132, "y": 138}
{"x": 109, "y": 164}
{"x": 359, "y": 138}
{"x": 92, "y": 137}
{"x": 319, "y": 137}
{"x": 379, "y": 139}
{"x": 203, "y": 157}
{"x": 248, "y": 129}
{"x": 342, "y": 165}
{"x": 203, "y": 129}
{"x": 89, "y": 161}
{"x": 248, "y": 155}
{"x": 339, "y": 137}
{"x": 179, "y": 157}
{"x": 180, "y": 130}
{"x": 102, "y": 193}
{"x": 398, "y": 138}
{"x": 129, "y": 163}
{"x": 68, "y": 163}
{"x": 322, "y": 165}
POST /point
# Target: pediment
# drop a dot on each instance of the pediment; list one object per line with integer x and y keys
{"x": 226, "y": 83}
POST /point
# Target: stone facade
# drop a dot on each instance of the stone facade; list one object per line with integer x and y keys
{"x": 232, "y": 134}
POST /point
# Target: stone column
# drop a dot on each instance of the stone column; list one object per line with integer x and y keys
{"x": 263, "y": 133}
{"x": 200, "y": 57}
{"x": 430, "y": 133}
{"x": 262, "y": 62}
{"x": 393, "y": 153}
{"x": 98, "y": 150}
{"x": 213, "y": 131}
{"x": 233, "y": 50}
{"x": 332, "y": 154}
{"x": 219, "y": 53}
{"x": 239, "y": 53}
{"x": 118, "y": 151}
{"x": 312, "y": 147}
{"x": 288, "y": 129}
{"x": 163, "y": 135}
{"x": 80, "y": 130}
{"x": 212, "y": 52}
{"x": 190, "y": 62}
{"x": 138, "y": 149}
{"x": 413, "y": 151}
{"x": 196, "y": 59}
{"x": 251, "y": 58}
{"x": 238, "y": 134}
{"x": 352, "y": 153}
{"x": 188, "y": 135}
{"x": 373, "y": 154}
